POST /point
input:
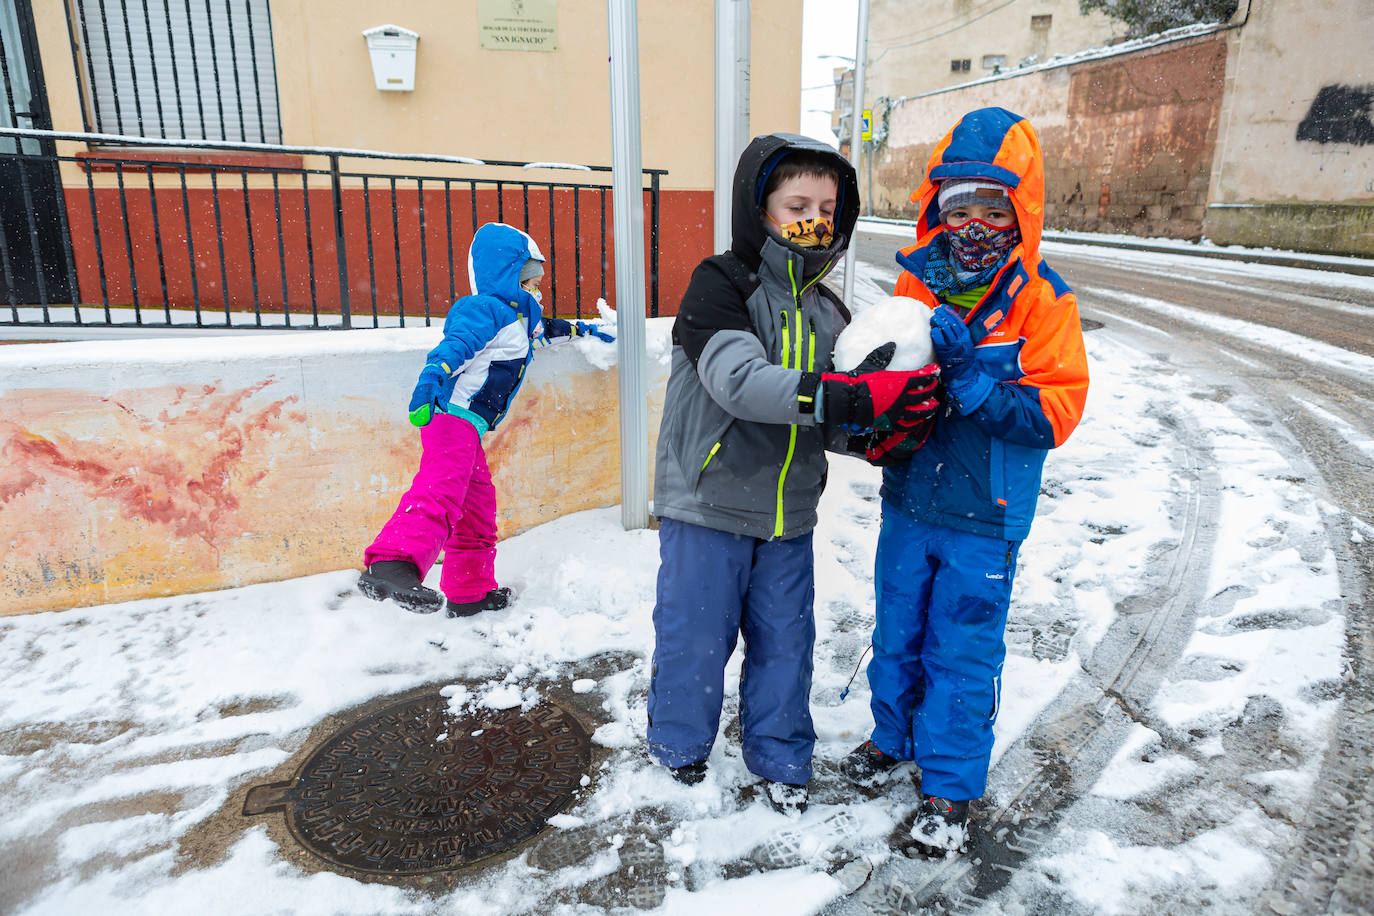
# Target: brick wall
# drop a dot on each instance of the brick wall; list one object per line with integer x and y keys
{"x": 1128, "y": 139}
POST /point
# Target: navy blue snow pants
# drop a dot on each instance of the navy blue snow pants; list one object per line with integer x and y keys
{"x": 938, "y": 648}
{"x": 712, "y": 587}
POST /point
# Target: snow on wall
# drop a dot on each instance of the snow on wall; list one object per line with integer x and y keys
{"x": 133, "y": 469}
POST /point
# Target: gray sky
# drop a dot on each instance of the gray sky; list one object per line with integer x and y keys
{"x": 828, "y": 27}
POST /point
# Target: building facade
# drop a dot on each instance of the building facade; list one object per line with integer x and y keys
{"x": 522, "y": 81}
{"x": 915, "y": 48}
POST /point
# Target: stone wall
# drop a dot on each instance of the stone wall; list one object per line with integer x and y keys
{"x": 1255, "y": 133}
{"x": 133, "y": 469}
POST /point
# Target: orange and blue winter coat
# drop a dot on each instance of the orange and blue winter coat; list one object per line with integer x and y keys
{"x": 980, "y": 469}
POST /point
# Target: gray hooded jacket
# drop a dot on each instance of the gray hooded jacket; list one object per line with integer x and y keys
{"x": 739, "y": 449}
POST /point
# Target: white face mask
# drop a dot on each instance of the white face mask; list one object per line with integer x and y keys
{"x": 538, "y": 296}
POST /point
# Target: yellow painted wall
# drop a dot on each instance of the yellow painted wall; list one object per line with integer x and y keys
{"x": 131, "y": 469}
{"x": 525, "y": 106}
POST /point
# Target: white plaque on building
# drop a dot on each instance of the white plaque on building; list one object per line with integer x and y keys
{"x": 518, "y": 25}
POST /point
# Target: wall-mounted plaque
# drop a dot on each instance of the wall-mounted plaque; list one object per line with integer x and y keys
{"x": 518, "y": 25}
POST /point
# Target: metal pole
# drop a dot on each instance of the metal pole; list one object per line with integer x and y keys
{"x": 627, "y": 187}
{"x": 860, "y": 59}
{"x": 732, "y": 106}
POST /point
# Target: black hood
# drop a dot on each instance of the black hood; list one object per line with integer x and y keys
{"x": 748, "y": 234}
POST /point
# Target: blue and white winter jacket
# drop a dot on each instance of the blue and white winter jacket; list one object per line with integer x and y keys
{"x": 490, "y": 335}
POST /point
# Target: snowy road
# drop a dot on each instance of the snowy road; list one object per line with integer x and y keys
{"x": 1303, "y": 342}
{"x": 1186, "y": 713}
{"x": 1294, "y": 350}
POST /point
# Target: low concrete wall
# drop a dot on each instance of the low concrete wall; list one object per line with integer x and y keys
{"x": 1342, "y": 229}
{"x": 133, "y": 469}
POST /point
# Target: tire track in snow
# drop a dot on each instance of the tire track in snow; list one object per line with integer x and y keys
{"x": 1060, "y": 757}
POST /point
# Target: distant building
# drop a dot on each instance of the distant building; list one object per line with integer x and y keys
{"x": 920, "y": 47}
{"x": 1255, "y": 131}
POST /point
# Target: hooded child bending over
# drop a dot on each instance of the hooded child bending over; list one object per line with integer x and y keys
{"x": 464, "y": 390}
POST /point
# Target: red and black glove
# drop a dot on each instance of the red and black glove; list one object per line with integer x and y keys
{"x": 886, "y": 449}
{"x": 873, "y": 397}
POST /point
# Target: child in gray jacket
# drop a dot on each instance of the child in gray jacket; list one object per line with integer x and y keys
{"x": 751, "y": 407}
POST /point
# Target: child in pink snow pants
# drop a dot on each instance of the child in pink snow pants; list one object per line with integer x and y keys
{"x": 464, "y": 390}
{"x": 450, "y": 504}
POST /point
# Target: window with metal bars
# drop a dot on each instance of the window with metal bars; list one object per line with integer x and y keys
{"x": 179, "y": 69}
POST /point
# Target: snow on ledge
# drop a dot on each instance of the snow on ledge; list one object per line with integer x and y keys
{"x": 1088, "y": 54}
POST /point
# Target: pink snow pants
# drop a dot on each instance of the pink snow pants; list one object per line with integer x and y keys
{"x": 451, "y": 504}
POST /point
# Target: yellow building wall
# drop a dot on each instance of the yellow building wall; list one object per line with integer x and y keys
{"x": 525, "y": 106}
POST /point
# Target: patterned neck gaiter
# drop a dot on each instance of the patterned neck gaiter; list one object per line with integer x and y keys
{"x": 943, "y": 276}
{"x": 975, "y": 246}
{"x": 806, "y": 233}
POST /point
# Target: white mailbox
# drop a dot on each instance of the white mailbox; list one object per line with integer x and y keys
{"x": 392, "y": 49}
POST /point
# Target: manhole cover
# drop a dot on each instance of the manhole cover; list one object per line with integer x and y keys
{"x": 414, "y": 789}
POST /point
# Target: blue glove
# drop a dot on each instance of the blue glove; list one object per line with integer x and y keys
{"x": 587, "y": 329}
{"x": 968, "y": 387}
{"x": 427, "y": 393}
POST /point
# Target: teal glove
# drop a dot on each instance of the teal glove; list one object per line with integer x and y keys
{"x": 426, "y": 397}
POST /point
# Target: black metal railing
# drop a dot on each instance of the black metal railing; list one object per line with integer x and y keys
{"x": 181, "y": 234}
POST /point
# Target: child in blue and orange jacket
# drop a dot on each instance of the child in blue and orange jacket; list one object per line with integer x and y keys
{"x": 465, "y": 389}
{"x": 1010, "y": 348}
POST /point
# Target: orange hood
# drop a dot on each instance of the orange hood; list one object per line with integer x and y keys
{"x": 990, "y": 143}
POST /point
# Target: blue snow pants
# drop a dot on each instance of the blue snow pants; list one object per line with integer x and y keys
{"x": 712, "y": 587}
{"x": 938, "y": 648}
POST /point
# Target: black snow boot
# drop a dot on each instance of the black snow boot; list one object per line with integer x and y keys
{"x": 493, "y": 600}
{"x": 399, "y": 580}
{"x": 785, "y": 798}
{"x": 689, "y": 774}
{"x": 941, "y": 826}
{"x": 868, "y": 766}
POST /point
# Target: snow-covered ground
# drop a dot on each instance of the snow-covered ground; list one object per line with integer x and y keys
{"x": 126, "y": 730}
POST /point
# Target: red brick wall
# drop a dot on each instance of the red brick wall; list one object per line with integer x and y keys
{"x": 1128, "y": 139}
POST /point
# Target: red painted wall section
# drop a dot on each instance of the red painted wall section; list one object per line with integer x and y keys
{"x": 236, "y": 247}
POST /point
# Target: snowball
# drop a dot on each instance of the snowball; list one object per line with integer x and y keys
{"x": 899, "y": 319}
{"x": 503, "y": 697}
